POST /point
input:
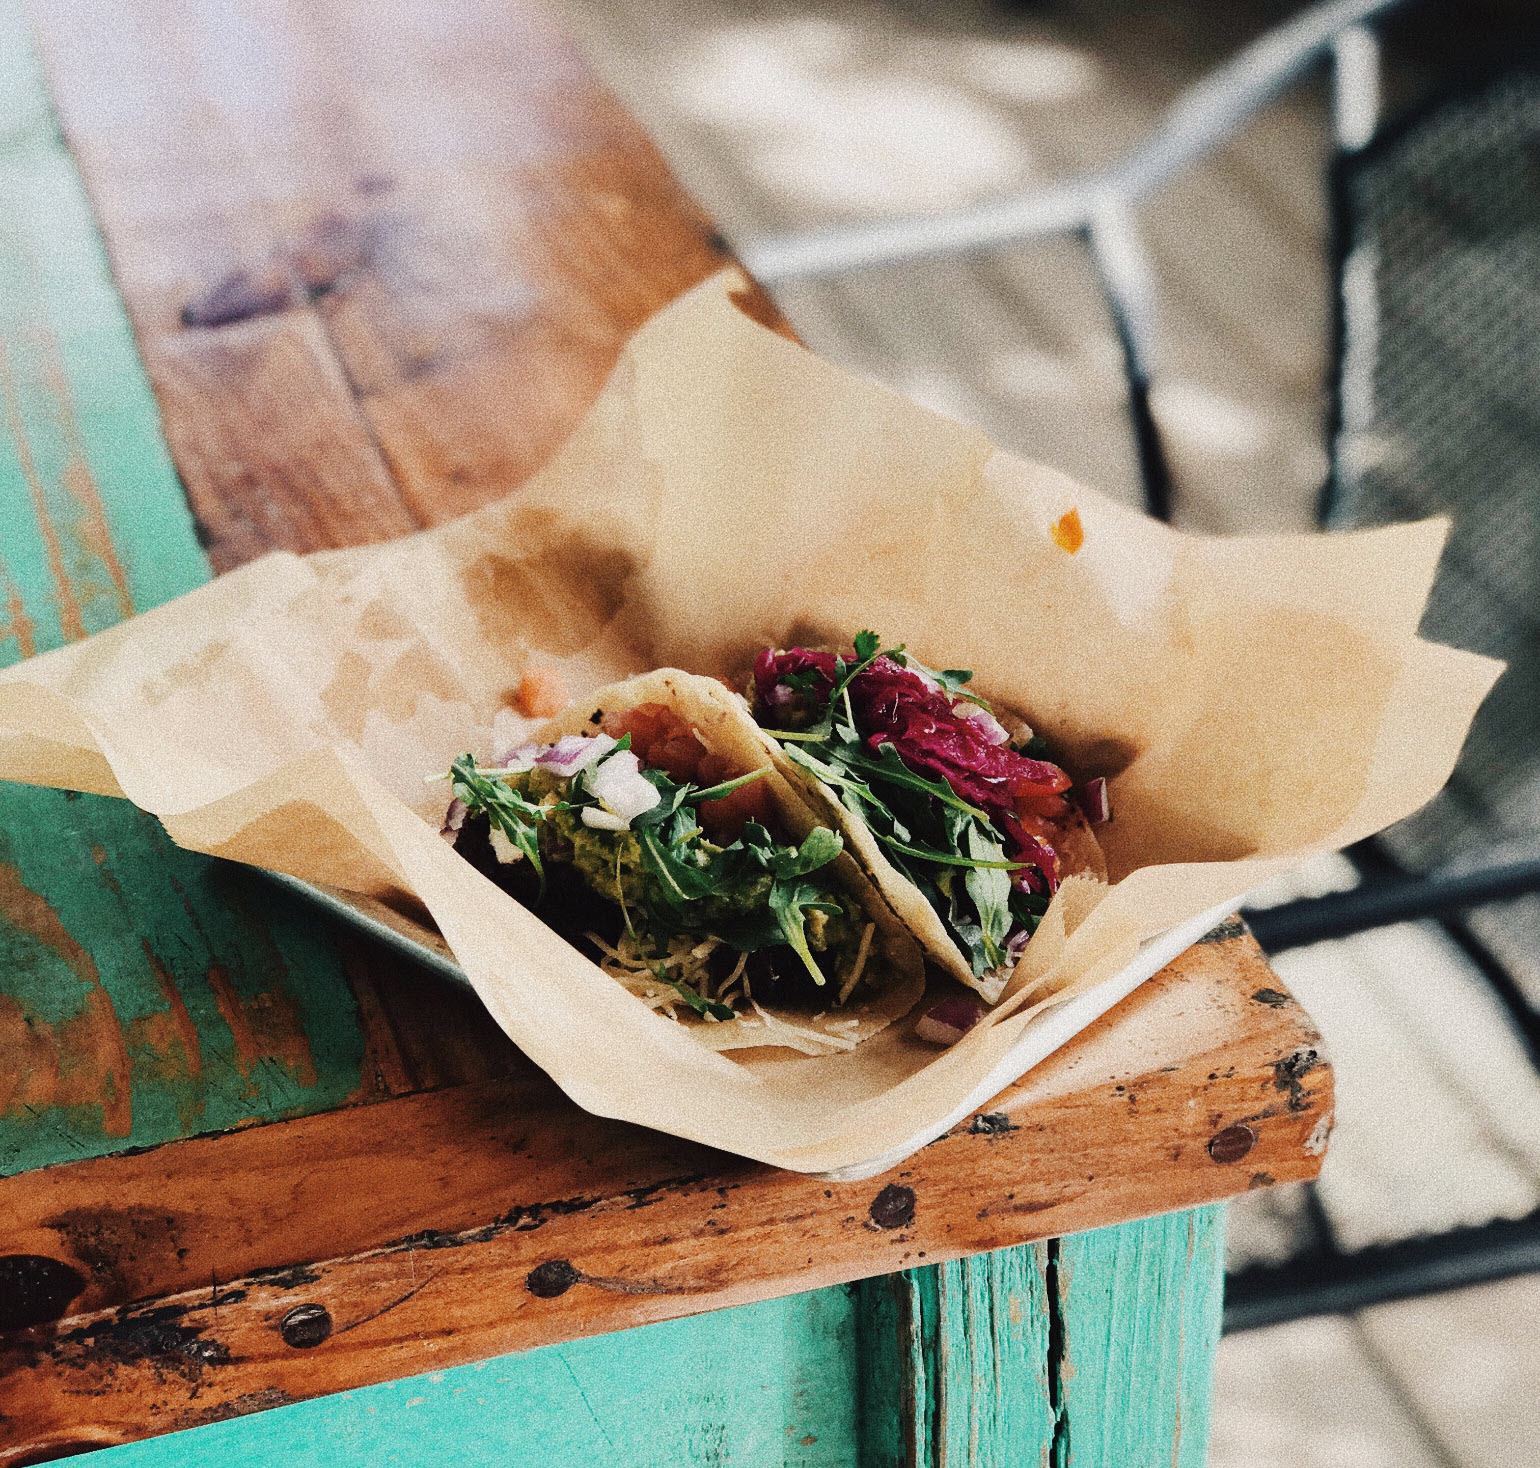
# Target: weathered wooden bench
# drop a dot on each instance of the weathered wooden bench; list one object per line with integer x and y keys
{"x": 374, "y": 274}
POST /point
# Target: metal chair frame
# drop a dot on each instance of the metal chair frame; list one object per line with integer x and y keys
{"x": 1097, "y": 207}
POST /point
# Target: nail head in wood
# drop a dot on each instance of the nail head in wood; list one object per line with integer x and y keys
{"x": 305, "y": 1326}
{"x": 1233, "y": 1143}
{"x": 893, "y": 1207}
{"x": 554, "y": 1277}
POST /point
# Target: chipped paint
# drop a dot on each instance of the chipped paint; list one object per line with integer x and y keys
{"x": 90, "y": 1053}
{"x": 67, "y": 603}
{"x": 265, "y": 1027}
{"x": 90, "y": 530}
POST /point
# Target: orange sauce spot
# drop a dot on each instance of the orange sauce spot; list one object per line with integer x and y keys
{"x": 1068, "y": 533}
{"x": 542, "y": 694}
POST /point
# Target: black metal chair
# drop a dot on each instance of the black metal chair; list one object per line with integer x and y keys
{"x": 1437, "y": 409}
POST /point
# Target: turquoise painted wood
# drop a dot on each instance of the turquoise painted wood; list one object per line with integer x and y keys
{"x": 1094, "y": 1351}
{"x": 145, "y": 993}
{"x": 1140, "y": 1309}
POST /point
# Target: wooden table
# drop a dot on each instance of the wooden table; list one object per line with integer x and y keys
{"x": 374, "y": 273}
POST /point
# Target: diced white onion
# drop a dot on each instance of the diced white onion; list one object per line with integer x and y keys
{"x": 603, "y": 820}
{"x": 947, "y": 1022}
{"x": 516, "y": 761}
{"x": 622, "y": 789}
{"x": 574, "y": 752}
{"x": 454, "y": 818}
{"x": 503, "y": 849}
{"x": 1092, "y": 798}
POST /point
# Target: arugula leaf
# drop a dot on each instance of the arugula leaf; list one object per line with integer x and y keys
{"x": 947, "y": 858}
{"x": 680, "y": 880}
{"x": 888, "y": 766}
{"x": 990, "y": 889}
{"x": 506, "y": 808}
{"x": 706, "y": 1008}
{"x": 791, "y": 901}
{"x": 716, "y": 792}
{"x": 819, "y": 849}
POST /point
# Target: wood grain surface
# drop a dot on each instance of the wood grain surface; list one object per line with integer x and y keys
{"x": 376, "y": 274}
{"x": 977, "y": 1361}
{"x": 503, "y": 1218}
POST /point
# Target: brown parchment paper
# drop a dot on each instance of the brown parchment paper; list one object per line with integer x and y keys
{"x": 1253, "y": 700}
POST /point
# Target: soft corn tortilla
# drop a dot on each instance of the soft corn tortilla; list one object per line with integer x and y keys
{"x": 895, "y": 963}
{"x": 1079, "y": 852}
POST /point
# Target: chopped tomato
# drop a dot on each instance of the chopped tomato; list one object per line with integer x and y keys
{"x": 723, "y": 820}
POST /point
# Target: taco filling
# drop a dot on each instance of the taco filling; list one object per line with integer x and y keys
{"x": 632, "y": 842}
{"x": 959, "y": 805}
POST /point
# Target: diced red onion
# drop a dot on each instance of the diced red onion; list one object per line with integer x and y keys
{"x": 778, "y": 695}
{"x": 454, "y": 818}
{"x": 516, "y": 761}
{"x": 946, "y": 1022}
{"x": 1093, "y": 800}
{"x": 622, "y": 789}
{"x": 1016, "y": 945}
{"x": 574, "y": 752}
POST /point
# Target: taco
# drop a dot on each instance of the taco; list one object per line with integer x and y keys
{"x": 648, "y": 826}
{"x": 948, "y": 803}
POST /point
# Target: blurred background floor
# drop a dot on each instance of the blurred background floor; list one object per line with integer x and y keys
{"x": 780, "y": 115}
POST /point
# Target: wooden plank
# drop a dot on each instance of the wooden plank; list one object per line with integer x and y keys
{"x": 377, "y": 289}
{"x": 1140, "y": 1316}
{"x": 771, "y": 1383}
{"x": 502, "y": 1218}
{"x": 947, "y": 1364}
{"x": 144, "y": 992}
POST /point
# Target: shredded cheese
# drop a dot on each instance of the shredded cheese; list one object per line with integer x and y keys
{"x": 795, "y": 1037}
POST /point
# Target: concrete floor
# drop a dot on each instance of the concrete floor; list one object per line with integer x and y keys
{"x": 784, "y": 114}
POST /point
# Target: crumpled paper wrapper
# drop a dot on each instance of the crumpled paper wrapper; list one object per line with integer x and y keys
{"x": 1253, "y": 701}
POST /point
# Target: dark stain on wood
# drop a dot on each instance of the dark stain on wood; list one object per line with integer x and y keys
{"x": 130, "y": 1337}
{"x": 239, "y": 296}
{"x": 992, "y": 1124}
{"x": 1289, "y": 1074}
{"x": 109, "y": 1241}
{"x": 284, "y": 1277}
{"x": 259, "y": 1401}
{"x": 35, "y": 1290}
{"x": 893, "y": 1207}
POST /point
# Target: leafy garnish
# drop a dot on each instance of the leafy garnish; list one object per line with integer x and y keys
{"x": 949, "y": 845}
{"x": 706, "y": 1008}
{"x": 692, "y": 880}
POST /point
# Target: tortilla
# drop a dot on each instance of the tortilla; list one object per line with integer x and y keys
{"x": 1079, "y": 853}
{"x": 895, "y": 969}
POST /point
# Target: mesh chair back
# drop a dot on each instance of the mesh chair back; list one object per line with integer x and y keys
{"x": 1439, "y": 413}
